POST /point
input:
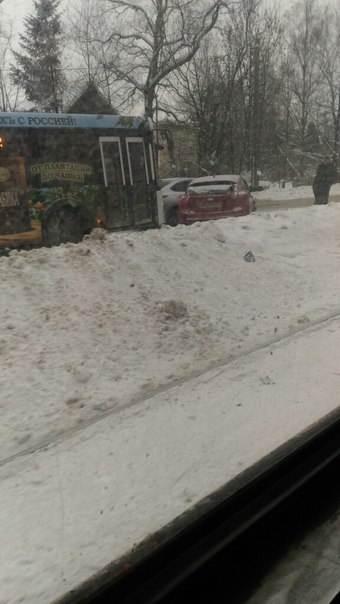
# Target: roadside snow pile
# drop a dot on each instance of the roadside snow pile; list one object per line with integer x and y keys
{"x": 93, "y": 327}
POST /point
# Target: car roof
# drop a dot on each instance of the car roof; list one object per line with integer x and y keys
{"x": 167, "y": 183}
{"x": 176, "y": 179}
{"x": 216, "y": 177}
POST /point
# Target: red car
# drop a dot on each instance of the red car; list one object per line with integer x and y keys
{"x": 212, "y": 197}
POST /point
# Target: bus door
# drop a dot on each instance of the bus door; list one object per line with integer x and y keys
{"x": 139, "y": 176}
{"x": 117, "y": 203}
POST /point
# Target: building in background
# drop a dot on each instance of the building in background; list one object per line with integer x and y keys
{"x": 91, "y": 100}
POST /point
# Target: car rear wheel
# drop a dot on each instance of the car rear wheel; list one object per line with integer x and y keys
{"x": 172, "y": 219}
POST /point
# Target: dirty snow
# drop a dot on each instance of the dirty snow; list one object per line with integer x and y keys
{"x": 112, "y": 424}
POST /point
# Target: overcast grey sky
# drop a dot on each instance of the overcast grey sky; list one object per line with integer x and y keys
{"x": 18, "y": 9}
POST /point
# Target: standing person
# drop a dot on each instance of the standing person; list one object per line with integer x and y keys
{"x": 326, "y": 175}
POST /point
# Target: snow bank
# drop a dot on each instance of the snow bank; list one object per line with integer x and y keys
{"x": 274, "y": 193}
{"x": 92, "y": 327}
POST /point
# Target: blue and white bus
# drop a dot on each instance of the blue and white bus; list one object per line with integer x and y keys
{"x": 71, "y": 172}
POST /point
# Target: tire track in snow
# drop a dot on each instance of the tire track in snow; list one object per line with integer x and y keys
{"x": 220, "y": 364}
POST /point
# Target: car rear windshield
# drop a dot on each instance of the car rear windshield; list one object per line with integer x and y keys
{"x": 213, "y": 188}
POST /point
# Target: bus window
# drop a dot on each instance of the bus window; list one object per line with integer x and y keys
{"x": 112, "y": 160}
{"x": 138, "y": 169}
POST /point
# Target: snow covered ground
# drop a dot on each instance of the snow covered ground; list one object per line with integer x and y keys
{"x": 112, "y": 424}
{"x": 276, "y": 193}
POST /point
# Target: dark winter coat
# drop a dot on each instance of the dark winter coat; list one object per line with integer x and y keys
{"x": 326, "y": 176}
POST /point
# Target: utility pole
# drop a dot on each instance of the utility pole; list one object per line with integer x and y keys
{"x": 337, "y": 128}
{"x": 157, "y": 132}
{"x": 3, "y": 93}
{"x": 255, "y": 120}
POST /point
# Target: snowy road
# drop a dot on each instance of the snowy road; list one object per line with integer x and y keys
{"x": 71, "y": 507}
{"x": 265, "y": 205}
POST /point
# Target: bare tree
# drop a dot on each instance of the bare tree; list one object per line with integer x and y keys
{"x": 328, "y": 99}
{"x": 87, "y": 26}
{"x": 305, "y": 24}
{"x": 8, "y": 93}
{"x": 229, "y": 91}
{"x": 205, "y": 91}
{"x": 155, "y": 38}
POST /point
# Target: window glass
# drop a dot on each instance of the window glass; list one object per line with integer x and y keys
{"x": 112, "y": 162}
{"x": 137, "y": 162}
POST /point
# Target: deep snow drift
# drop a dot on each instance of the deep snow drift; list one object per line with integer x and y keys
{"x": 92, "y": 327}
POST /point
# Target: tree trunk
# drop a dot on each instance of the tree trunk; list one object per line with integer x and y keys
{"x": 149, "y": 97}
